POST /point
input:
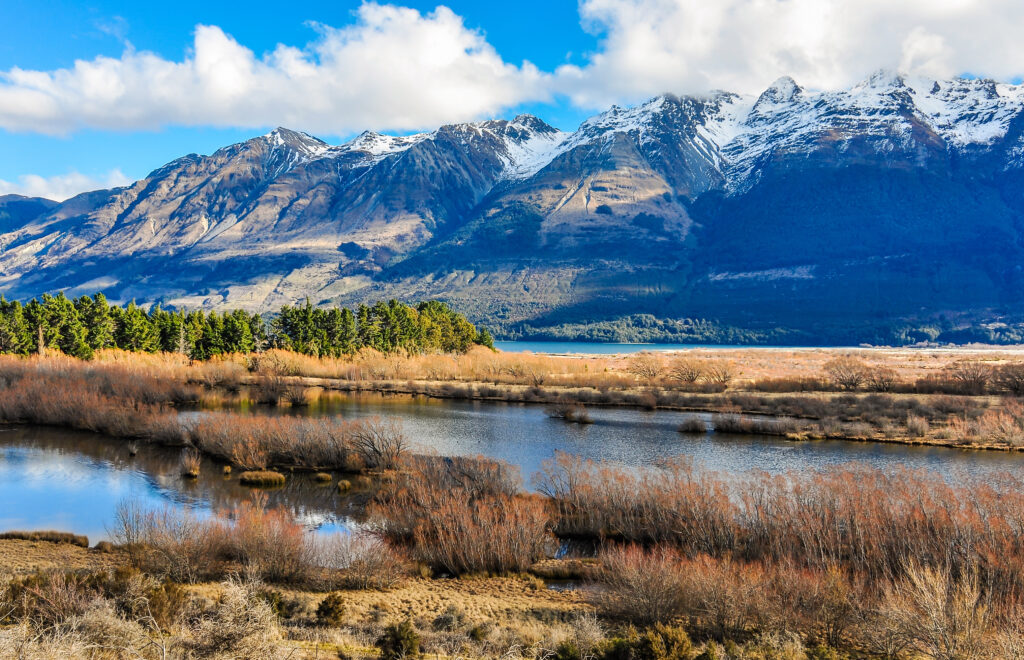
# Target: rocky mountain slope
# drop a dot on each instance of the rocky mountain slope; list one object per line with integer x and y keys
{"x": 876, "y": 213}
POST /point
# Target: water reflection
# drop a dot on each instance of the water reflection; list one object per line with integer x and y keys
{"x": 72, "y": 481}
{"x": 524, "y": 435}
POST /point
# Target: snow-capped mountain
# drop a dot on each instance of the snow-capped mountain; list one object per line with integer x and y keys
{"x": 903, "y": 195}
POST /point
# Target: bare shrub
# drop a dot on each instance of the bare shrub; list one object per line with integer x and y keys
{"x": 297, "y": 395}
{"x": 865, "y": 520}
{"x": 175, "y": 543}
{"x": 645, "y": 366}
{"x": 1010, "y": 378}
{"x": 674, "y": 503}
{"x": 461, "y": 529}
{"x": 570, "y": 412}
{"x": 719, "y": 372}
{"x": 47, "y": 601}
{"x": 847, "y": 373}
{"x": 881, "y": 379}
{"x": 189, "y": 463}
{"x": 1002, "y": 426}
{"x": 917, "y": 426}
{"x": 937, "y": 615}
{"x": 241, "y": 626}
{"x": 644, "y": 586}
{"x": 363, "y": 561}
{"x": 693, "y": 424}
{"x": 269, "y": 389}
{"x": 685, "y": 369}
{"x": 380, "y": 443}
{"x": 971, "y": 377}
{"x": 269, "y": 543}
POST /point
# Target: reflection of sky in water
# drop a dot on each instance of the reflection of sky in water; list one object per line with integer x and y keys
{"x": 525, "y": 436}
{"x": 69, "y": 481}
{"x": 596, "y": 348}
{"x": 57, "y": 479}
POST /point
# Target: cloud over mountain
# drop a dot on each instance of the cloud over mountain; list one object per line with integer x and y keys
{"x": 61, "y": 186}
{"x": 396, "y": 68}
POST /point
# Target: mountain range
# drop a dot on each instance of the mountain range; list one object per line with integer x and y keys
{"x": 889, "y": 212}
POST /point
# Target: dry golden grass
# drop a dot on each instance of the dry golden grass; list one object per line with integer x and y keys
{"x": 480, "y": 365}
{"x": 24, "y": 557}
{"x": 480, "y": 598}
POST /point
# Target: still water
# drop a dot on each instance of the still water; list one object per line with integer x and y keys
{"x": 599, "y": 348}
{"x": 58, "y": 479}
{"x": 73, "y": 481}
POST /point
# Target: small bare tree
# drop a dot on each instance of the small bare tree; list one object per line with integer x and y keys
{"x": 719, "y": 372}
{"x": 644, "y": 366}
{"x": 881, "y": 379}
{"x": 380, "y": 443}
{"x": 972, "y": 377}
{"x": 1010, "y": 378}
{"x": 685, "y": 369}
{"x": 847, "y": 373}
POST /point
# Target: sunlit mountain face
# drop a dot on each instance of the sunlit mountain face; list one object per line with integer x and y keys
{"x": 891, "y": 211}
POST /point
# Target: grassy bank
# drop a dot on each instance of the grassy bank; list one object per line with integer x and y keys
{"x": 966, "y": 400}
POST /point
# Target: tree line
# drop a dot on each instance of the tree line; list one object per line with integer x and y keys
{"x": 87, "y": 324}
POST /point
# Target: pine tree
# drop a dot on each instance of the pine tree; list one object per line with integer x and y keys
{"x": 62, "y": 328}
{"x": 13, "y": 329}
{"x": 135, "y": 331}
{"x": 236, "y": 333}
{"x": 98, "y": 321}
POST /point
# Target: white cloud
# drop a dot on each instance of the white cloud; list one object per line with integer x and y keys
{"x": 62, "y": 186}
{"x": 399, "y": 69}
{"x": 652, "y": 46}
{"x": 394, "y": 68}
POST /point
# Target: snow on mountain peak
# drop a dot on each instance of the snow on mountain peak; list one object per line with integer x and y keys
{"x": 733, "y": 132}
{"x": 881, "y": 79}
{"x": 529, "y": 147}
{"x": 377, "y": 146}
{"x": 304, "y": 143}
{"x": 968, "y": 111}
{"x": 783, "y": 90}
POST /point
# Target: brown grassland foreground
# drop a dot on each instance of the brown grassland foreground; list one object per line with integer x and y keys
{"x": 675, "y": 561}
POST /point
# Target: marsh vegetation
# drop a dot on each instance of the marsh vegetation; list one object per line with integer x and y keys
{"x": 672, "y": 560}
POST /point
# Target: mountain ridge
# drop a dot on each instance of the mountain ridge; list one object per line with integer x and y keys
{"x": 902, "y": 196}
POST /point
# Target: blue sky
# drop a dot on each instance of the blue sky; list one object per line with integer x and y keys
{"x": 53, "y": 35}
{"x": 94, "y": 94}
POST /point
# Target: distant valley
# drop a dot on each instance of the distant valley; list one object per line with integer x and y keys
{"x": 890, "y": 212}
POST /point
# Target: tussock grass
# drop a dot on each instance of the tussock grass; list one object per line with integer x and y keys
{"x": 261, "y": 478}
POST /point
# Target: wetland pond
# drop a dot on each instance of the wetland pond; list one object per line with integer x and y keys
{"x": 72, "y": 481}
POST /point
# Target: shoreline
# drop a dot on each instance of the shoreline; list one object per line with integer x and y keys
{"x": 551, "y": 395}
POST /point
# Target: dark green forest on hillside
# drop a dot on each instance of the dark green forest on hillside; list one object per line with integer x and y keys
{"x": 87, "y": 324}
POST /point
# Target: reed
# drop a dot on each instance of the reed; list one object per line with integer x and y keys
{"x": 463, "y": 516}
{"x": 868, "y": 521}
{"x": 190, "y": 463}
